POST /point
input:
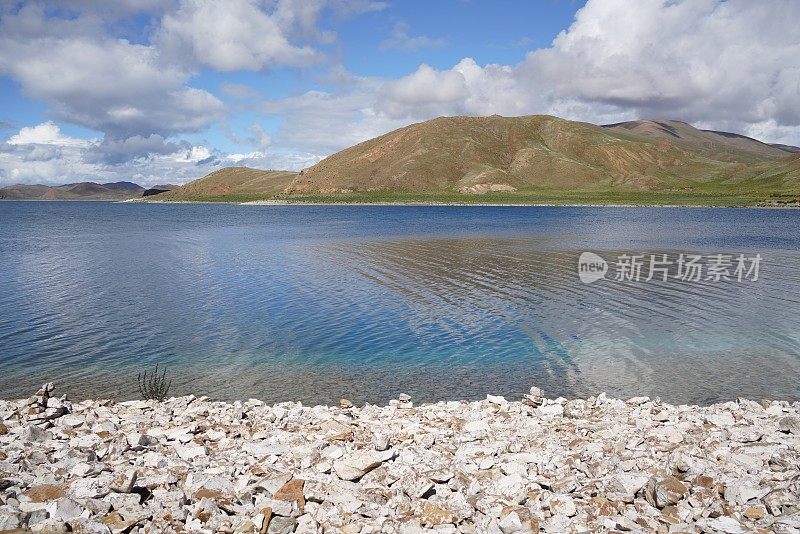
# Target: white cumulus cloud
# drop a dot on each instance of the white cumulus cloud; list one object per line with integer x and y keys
{"x": 730, "y": 65}
{"x": 47, "y": 133}
{"x": 231, "y": 35}
{"x": 721, "y": 64}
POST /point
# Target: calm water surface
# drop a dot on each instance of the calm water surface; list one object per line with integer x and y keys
{"x": 314, "y": 303}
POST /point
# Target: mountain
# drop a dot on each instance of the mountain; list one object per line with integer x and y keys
{"x": 787, "y": 148}
{"x": 233, "y": 182}
{"x": 542, "y": 154}
{"x": 782, "y": 175}
{"x": 536, "y": 158}
{"x": 722, "y": 146}
{"x": 78, "y": 191}
{"x": 123, "y": 186}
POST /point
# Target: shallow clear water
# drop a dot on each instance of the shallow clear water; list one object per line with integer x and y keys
{"x": 315, "y": 303}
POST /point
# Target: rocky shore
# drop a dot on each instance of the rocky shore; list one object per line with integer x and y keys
{"x": 532, "y": 465}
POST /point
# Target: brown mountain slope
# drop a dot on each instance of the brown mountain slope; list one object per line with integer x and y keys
{"x": 79, "y": 191}
{"x": 786, "y": 148}
{"x": 479, "y": 154}
{"x": 233, "y": 181}
{"x": 529, "y": 157}
{"x": 722, "y": 146}
{"x": 23, "y": 192}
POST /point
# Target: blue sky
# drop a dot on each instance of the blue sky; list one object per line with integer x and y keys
{"x": 166, "y": 91}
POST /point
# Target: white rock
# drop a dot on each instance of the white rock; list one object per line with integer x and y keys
{"x": 89, "y": 488}
{"x": 124, "y": 481}
{"x": 66, "y": 509}
{"x": 86, "y": 441}
{"x": 513, "y": 488}
{"x": 628, "y": 483}
{"x": 551, "y": 410}
{"x": 775, "y": 409}
{"x": 512, "y": 523}
{"x": 357, "y": 464}
{"x": 83, "y": 469}
{"x": 333, "y": 452}
{"x": 728, "y": 524}
{"x": 562, "y": 505}
{"x": 9, "y": 520}
{"x": 190, "y": 452}
{"x": 722, "y": 419}
{"x": 72, "y": 421}
{"x": 88, "y": 526}
{"x": 477, "y": 427}
{"x": 414, "y": 485}
{"x": 662, "y": 491}
{"x": 497, "y": 399}
{"x": 740, "y": 493}
{"x": 262, "y": 450}
{"x": 380, "y": 441}
{"x": 137, "y": 440}
{"x": 790, "y": 425}
{"x": 35, "y": 434}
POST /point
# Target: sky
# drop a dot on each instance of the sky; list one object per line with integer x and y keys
{"x": 166, "y": 91}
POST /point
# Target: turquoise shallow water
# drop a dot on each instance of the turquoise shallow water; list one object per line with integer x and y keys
{"x": 314, "y": 303}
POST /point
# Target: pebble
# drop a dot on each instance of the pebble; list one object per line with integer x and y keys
{"x": 494, "y": 465}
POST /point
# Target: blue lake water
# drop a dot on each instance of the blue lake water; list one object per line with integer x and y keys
{"x": 315, "y": 303}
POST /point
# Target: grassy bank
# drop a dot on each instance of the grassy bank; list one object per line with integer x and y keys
{"x": 520, "y": 198}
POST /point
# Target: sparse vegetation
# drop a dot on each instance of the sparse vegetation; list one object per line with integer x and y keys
{"x": 236, "y": 181}
{"x": 153, "y": 386}
{"x": 641, "y": 198}
{"x": 526, "y": 160}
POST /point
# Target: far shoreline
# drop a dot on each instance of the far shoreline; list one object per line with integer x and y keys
{"x": 404, "y": 203}
{"x": 450, "y": 204}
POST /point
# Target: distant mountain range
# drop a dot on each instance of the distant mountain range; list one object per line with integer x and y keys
{"x": 536, "y": 158}
{"x": 528, "y": 158}
{"x": 81, "y": 191}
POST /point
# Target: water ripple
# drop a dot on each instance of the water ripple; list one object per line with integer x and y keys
{"x": 314, "y": 303}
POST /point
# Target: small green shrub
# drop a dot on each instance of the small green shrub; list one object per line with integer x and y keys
{"x": 154, "y": 386}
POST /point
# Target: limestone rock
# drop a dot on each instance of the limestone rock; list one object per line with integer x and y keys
{"x": 562, "y": 505}
{"x": 728, "y": 524}
{"x": 124, "y": 481}
{"x": 628, "y": 483}
{"x": 9, "y": 520}
{"x": 722, "y": 419}
{"x": 34, "y": 434}
{"x": 790, "y": 425}
{"x": 380, "y": 441}
{"x": 359, "y": 463}
{"x": 292, "y": 491}
{"x": 663, "y": 491}
{"x": 535, "y": 398}
{"x": 434, "y": 514}
{"x": 741, "y": 493}
{"x": 494, "y": 465}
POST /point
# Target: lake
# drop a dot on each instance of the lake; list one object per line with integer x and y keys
{"x": 315, "y": 303}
